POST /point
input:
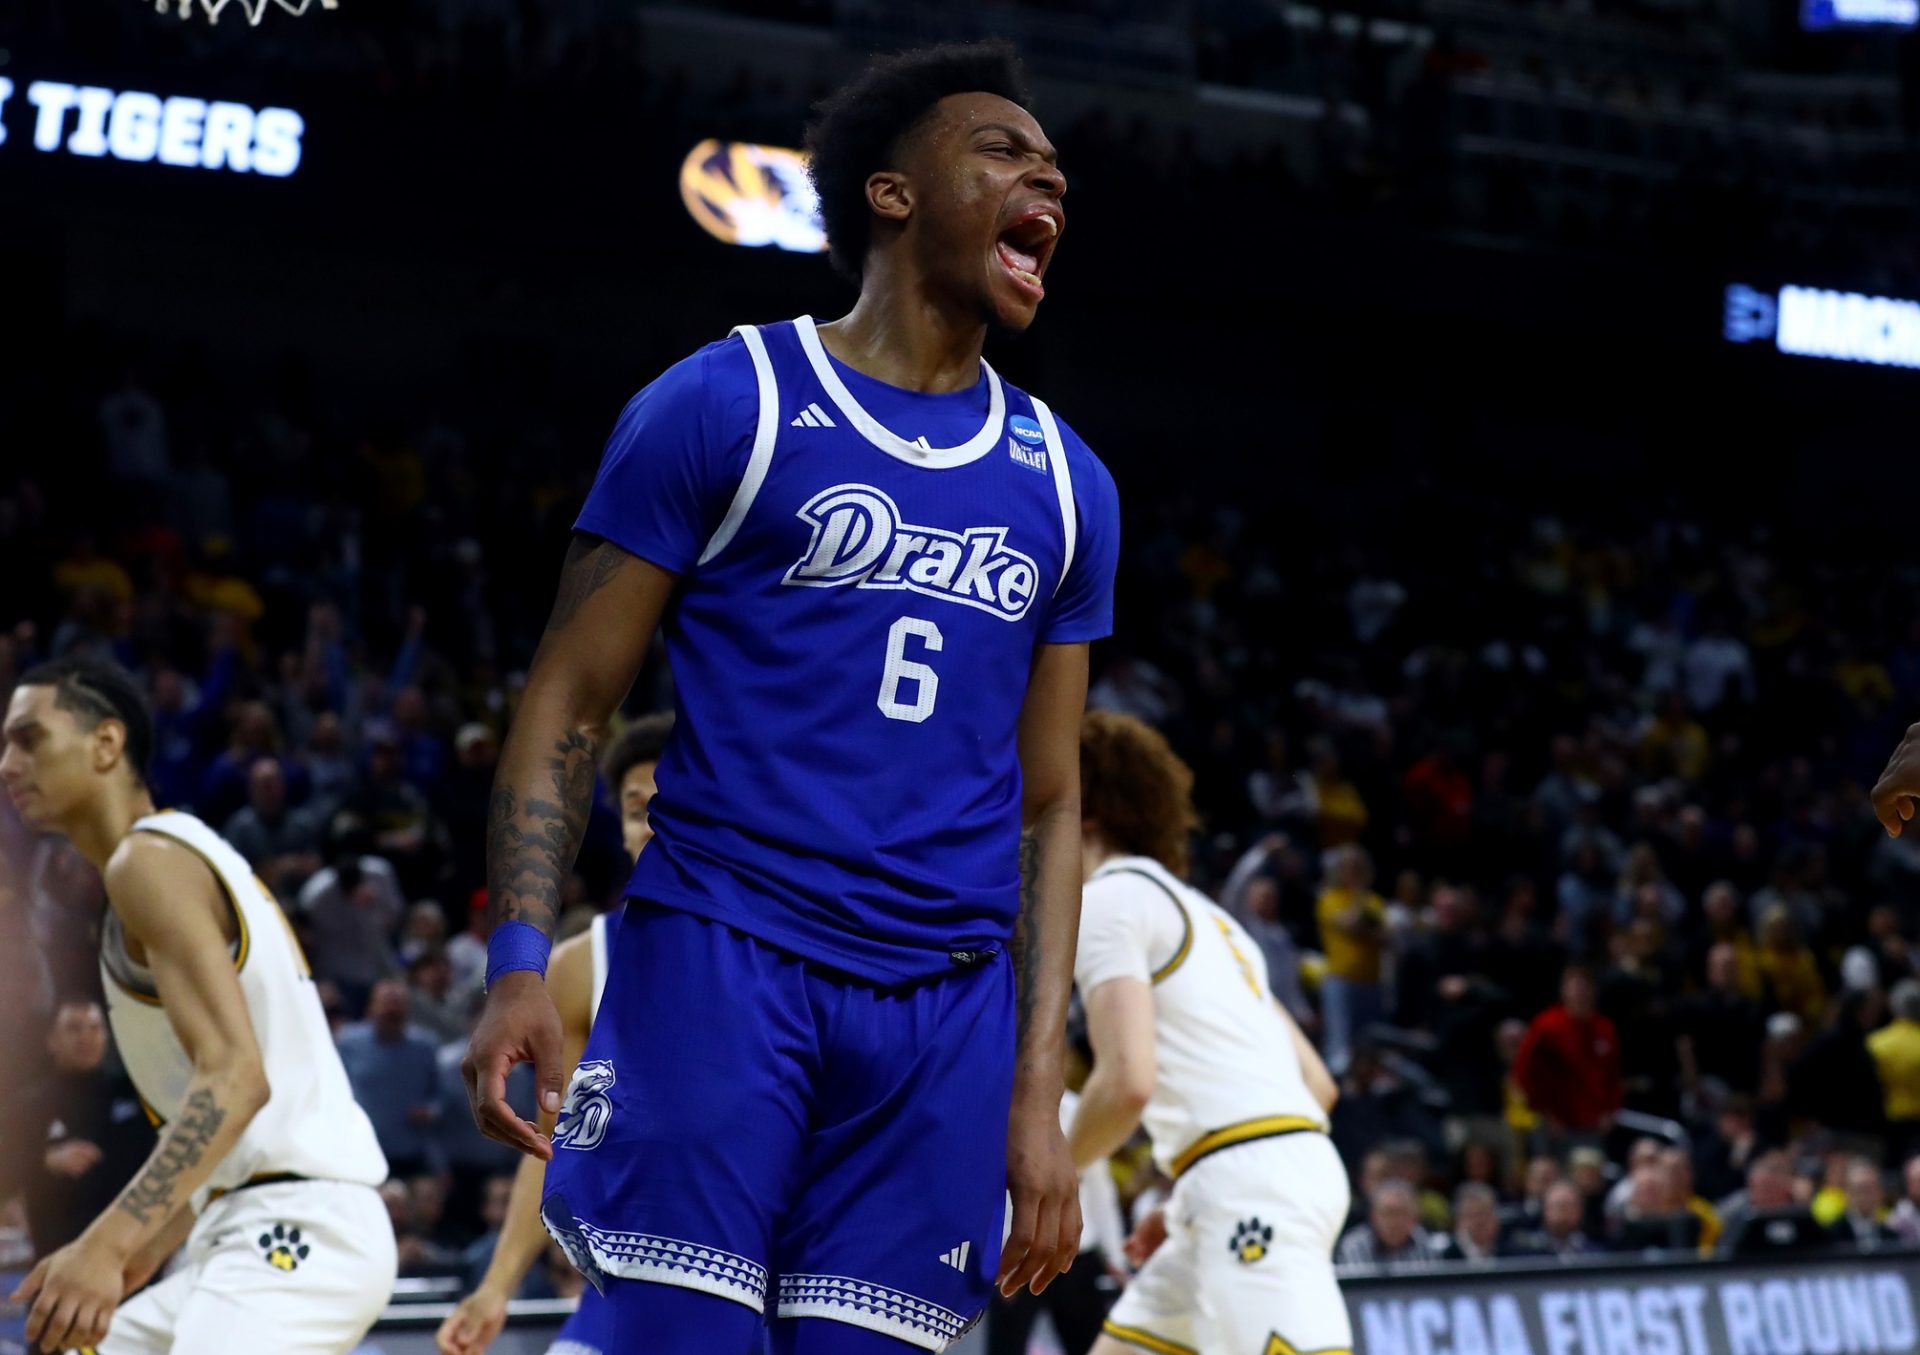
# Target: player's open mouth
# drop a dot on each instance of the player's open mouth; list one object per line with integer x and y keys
{"x": 1024, "y": 248}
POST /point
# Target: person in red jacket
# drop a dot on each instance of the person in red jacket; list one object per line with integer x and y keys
{"x": 1569, "y": 1062}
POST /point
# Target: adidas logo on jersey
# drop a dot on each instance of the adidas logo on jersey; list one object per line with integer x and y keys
{"x": 859, "y": 540}
{"x": 811, "y": 417}
{"x": 957, "y": 1258}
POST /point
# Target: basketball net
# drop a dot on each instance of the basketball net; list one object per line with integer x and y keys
{"x": 253, "y": 9}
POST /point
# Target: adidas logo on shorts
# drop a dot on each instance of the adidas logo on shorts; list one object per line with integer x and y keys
{"x": 957, "y": 1258}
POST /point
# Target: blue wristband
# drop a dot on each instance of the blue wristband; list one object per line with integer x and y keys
{"x": 514, "y": 946}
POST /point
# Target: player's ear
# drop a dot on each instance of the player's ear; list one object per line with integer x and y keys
{"x": 109, "y": 744}
{"x": 889, "y": 195}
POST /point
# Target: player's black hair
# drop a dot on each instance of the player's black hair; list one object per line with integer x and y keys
{"x": 96, "y": 689}
{"x": 858, "y": 129}
{"x": 641, "y": 741}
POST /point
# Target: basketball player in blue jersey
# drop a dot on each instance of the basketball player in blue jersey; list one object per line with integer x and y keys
{"x": 831, "y": 1040}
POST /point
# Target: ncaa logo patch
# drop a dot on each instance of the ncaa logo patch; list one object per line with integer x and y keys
{"x": 1026, "y": 430}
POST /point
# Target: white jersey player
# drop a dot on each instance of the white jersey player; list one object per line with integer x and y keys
{"x": 265, "y": 1166}
{"x": 1189, "y": 1041}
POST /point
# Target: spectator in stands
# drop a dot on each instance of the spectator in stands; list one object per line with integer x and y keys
{"x": 1644, "y": 1153}
{"x": 1637, "y": 996}
{"x": 281, "y": 843}
{"x": 1392, "y": 1234}
{"x": 350, "y": 909}
{"x": 77, "y": 1135}
{"x": 1864, "y": 1221}
{"x": 1523, "y": 1217}
{"x": 478, "y": 1253}
{"x": 462, "y": 801}
{"x": 1569, "y": 1063}
{"x": 1767, "y": 1216}
{"x": 1582, "y": 897}
{"x": 433, "y": 1007}
{"x": 394, "y": 1074}
{"x": 1676, "y": 1174}
{"x": 1896, "y": 1056}
{"x": 1561, "y": 1233}
{"x": 1905, "y": 1217}
{"x": 1587, "y": 1170}
{"x": 1352, "y": 934}
{"x": 1788, "y": 967}
{"x": 467, "y": 952}
{"x": 1645, "y": 1222}
{"x": 1719, "y": 1029}
{"x": 1476, "y": 1226}
{"x": 419, "y": 1254}
{"x": 423, "y": 933}
{"x": 396, "y": 813}
{"x": 1835, "y": 1083}
{"x": 493, "y": 1213}
{"x": 1724, "y": 923}
{"x": 1252, "y": 895}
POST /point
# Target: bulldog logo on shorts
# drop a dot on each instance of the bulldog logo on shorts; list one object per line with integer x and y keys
{"x": 1250, "y": 1241}
{"x": 282, "y": 1248}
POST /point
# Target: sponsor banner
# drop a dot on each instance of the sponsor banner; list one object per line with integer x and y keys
{"x": 1815, "y": 322}
{"x": 1844, "y": 1305}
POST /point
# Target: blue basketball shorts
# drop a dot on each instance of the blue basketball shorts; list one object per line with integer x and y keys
{"x": 786, "y": 1137}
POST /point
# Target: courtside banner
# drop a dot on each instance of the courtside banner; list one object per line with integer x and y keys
{"x": 1813, "y": 1304}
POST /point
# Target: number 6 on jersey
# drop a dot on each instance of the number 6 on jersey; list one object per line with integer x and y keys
{"x": 902, "y": 669}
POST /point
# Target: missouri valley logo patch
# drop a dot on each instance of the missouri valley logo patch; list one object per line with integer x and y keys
{"x": 1250, "y": 1241}
{"x": 282, "y": 1248}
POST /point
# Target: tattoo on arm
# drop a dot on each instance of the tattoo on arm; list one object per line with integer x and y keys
{"x": 1026, "y": 938}
{"x": 590, "y": 562}
{"x": 531, "y": 844}
{"x": 151, "y": 1194}
{"x": 534, "y": 830}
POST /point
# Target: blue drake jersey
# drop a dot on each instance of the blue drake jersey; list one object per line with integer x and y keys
{"x": 865, "y": 573}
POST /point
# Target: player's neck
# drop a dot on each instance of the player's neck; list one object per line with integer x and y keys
{"x": 1094, "y": 853}
{"x": 106, "y": 820}
{"x": 900, "y": 334}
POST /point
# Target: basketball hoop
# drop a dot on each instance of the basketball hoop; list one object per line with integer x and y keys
{"x": 253, "y": 9}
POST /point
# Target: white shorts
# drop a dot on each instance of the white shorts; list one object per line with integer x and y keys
{"x": 303, "y": 1267}
{"x": 1247, "y": 1267}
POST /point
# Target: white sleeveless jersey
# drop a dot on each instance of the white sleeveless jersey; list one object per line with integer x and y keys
{"x": 598, "y": 942}
{"x": 311, "y": 1126}
{"x": 1226, "y": 1068}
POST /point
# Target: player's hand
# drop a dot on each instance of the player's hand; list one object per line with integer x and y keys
{"x": 518, "y": 1025}
{"x": 72, "y": 1157}
{"x": 72, "y": 1294}
{"x": 470, "y": 1328}
{"x": 1146, "y": 1237}
{"x": 1895, "y": 793}
{"x": 1045, "y": 1236}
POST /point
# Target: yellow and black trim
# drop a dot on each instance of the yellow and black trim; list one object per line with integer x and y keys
{"x": 1186, "y": 920}
{"x": 259, "y": 1179}
{"x": 243, "y": 942}
{"x": 154, "y": 1117}
{"x": 1280, "y": 1345}
{"x": 1146, "y": 1340}
{"x": 1266, "y": 1127}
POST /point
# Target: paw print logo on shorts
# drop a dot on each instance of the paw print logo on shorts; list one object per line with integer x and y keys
{"x": 1251, "y": 1240}
{"x": 283, "y": 1248}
